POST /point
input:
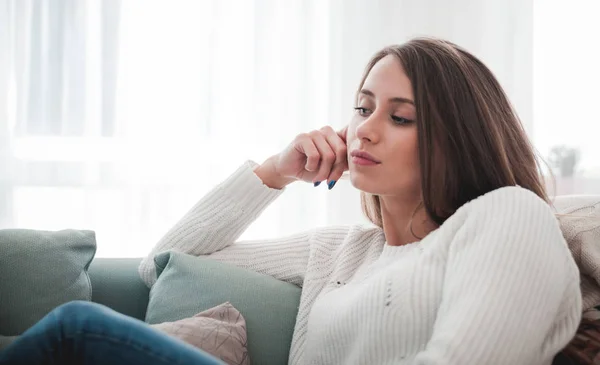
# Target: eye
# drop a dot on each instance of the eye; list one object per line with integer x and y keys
{"x": 401, "y": 120}
{"x": 363, "y": 111}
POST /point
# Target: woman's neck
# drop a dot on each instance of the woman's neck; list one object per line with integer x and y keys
{"x": 399, "y": 215}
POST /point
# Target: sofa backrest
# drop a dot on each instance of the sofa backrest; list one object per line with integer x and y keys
{"x": 117, "y": 284}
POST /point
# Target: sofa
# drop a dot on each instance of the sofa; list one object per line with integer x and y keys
{"x": 117, "y": 284}
{"x": 269, "y": 306}
{"x": 41, "y": 270}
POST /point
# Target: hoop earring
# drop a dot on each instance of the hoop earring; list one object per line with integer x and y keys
{"x": 411, "y": 221}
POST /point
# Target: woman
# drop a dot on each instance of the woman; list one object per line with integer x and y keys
{"x": 466, "y": 263}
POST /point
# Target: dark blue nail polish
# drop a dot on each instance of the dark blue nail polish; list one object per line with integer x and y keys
{"x": 331, "y": 184}
{"x": 317, "y": 184}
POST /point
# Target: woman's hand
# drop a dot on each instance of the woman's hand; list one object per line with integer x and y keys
{"x": 312, "y": 157}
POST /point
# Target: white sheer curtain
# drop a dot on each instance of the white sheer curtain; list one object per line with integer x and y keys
{"x": 118, "y": 115}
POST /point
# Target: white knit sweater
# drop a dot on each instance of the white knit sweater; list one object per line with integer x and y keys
{"x": 495, "y": 284}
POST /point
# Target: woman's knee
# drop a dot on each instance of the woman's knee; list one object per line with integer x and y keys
{"x": 78, "y": 314}
{"x": 77, "y": 308}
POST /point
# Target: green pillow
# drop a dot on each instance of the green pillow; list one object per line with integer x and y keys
{"x": 187, "y": 285}
{"x": 39, "y": 270}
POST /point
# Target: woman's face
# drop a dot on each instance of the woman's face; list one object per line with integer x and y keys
{"x": 384, "y": 127}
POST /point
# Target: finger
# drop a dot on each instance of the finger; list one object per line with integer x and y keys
{"x": 337, "y": 144}
{"x": 327, "y": 156}
{"x": 311, "y": 152}
{"x": 342, "y": 133}
{"x": 341, "y": 161}
{"x": 336, "y": 174}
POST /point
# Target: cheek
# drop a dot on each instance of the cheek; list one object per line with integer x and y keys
{"x": 407, "y": 162}
{"x": 407, "y": 152}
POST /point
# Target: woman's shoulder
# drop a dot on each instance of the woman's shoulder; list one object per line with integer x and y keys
{"x": 510, "y": 202}
{"x": 508, "y": 223}
{"x": 510, "y": 194}
{"x": 512, "y": 213}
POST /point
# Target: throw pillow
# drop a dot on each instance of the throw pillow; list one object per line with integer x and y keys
{"x": 40, "y": 270}
{"x": 220, "y": 331}
{"x": 580, "y": 224}
{"x": 187, "y": 285}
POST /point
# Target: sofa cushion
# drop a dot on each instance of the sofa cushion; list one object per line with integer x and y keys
{"x": 187, "y": 285}
{"x": 40, "y": 270}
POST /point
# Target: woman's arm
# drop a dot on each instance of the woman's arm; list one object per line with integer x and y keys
{"x": 511, "y": 292}
{"x": 214, "y": 224}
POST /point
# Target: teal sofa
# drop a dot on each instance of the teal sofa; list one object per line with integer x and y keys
{"x": 186, "y": 286}
{"x": 189, "y": 284}
{"x": 117, "y": 284}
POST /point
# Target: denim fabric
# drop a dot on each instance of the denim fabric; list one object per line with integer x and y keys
{"x": 87, "y": 333}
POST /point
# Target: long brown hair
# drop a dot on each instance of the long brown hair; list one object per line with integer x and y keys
{"x": 470, "y": 138}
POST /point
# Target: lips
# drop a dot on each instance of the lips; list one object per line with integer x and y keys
{"x": 365, "y": 157}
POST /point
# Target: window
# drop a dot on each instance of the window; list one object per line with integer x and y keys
{"x": 566, "y": 92}
{"x": 117, "y": 116}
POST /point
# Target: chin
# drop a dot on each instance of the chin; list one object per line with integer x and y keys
{"x": 363, "y": 183}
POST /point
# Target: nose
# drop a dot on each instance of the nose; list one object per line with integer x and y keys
{"x": 367, "y": 130}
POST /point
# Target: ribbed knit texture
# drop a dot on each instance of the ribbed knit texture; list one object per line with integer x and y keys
{"x": 495, "y": 284}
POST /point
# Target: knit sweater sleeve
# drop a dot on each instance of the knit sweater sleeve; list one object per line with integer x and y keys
{"x": 509, "y": 280}
{"x": 214, "y": 224}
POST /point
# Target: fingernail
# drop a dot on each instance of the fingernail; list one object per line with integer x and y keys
{"x": 331, "y": 184}
{"x": 317, "y": 184}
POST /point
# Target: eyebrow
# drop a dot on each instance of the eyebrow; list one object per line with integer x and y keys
{"x": 393, "y": 100}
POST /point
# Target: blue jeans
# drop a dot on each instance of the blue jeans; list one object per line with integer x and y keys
{"x": 87, "y": 333}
